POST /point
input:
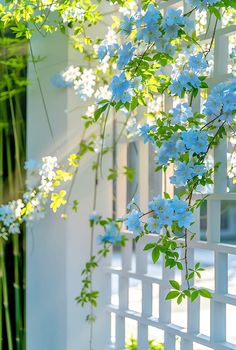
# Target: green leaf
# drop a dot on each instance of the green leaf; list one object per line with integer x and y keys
{"x": 149, "y": 246}
{"x": 155, "y": 254}
{"x": 174, "y": 284}
{"x": 205, "y": 293}
{"x": 172, "y": 294}
{"x": 194, "y": 295}
{"x": 166, "y": 195}
{"x": 99, "y": 111}
{"x": 179, "y": 299}
{"x": 215, "y": 11}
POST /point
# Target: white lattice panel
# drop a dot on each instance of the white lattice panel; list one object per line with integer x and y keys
{"x": 154, "y": 310}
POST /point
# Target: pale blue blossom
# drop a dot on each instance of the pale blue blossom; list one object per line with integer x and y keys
{"x": 125, "y": 55}
{"x": 133, "y": 222}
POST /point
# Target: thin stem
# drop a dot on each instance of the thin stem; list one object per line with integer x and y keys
{"x": 41, "y": 91}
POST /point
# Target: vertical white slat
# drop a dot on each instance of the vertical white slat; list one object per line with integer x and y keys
{"x": 143, "y": 175}
{"x": 108, "y": 329}
{"x": 221, "y": 55}
{"x": 141, "y": 269}
{"x": 221, "y": 273}
{"x": 169, "y": 341}
{"x": 220, "y": 176}
{"x": 141, "y": 256}
{"x": 218, "y": 310}
{"x": 121, "y": 184}
{"x": 123, "y": 306}
{"x": 142, "y": 336}
{"x": 195, "y": 228}
{"x": 218, "y": 321}
{"x": 165, "y": 306}
{"x": 120, "y": 332}
{"x": 186, "y": 344}
{"x": 126, "y": 253}
{"x": 107, "y": 301}
{"x": 213, "y": 220}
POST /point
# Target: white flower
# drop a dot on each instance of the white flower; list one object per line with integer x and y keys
{"x": 155, "y": 105}
{"x": 90, "y": 111}
{"x": 111, "y": 37}
{"x": 103, "y": 93}
{"x": 71, "y": 74}
{"x": 84, "y": 86}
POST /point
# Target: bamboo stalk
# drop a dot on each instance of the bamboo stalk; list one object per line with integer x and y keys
{"x": 1, "y": 312}
{"x": 18, "y": 312}
{"x": 1, "y": 199}
{"x": 5, "y": 297}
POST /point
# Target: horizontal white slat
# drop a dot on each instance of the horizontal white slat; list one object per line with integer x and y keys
{"x": 172, "y": 329}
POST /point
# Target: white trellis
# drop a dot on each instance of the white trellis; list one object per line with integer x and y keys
{"x": 191, "y": 333}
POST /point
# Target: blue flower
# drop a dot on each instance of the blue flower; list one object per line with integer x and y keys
{"x": 58, "y": 81}
{"x": 179, "y": 206}
{"x": 202, "y": 4}
{"x": 184, "y": 219}
{"x": 169, "y": 149}
{"x": 149, "y": 34}
{"x": 173, "y": 17}
{"x": 197, "y": 62}
{"x": 153, "y": 225}
{"x": 112, "y": 234}
{"x": 222, "y": 101}
{"x": 189, "y": 79}
{"x": 166, "y": 216}
{"x": 176, "y": 88}
{"x": 119, "y": 88}
{"x": 182, "y": 174}
{"x": 157, "y": 204}
{"x": 181, "y": 113}
{"x": 125, "y": 55}
{"x": 145, "y": 131}
{"x": 94, "y": 218}
{"x": 102, "y": 52}
{"x": 112, "y": 49}
{"x": 133, "y": 222}
{"x": 196, "y": 141}
{"x": 151, "y": 16}
{"x": 126, "y": 25}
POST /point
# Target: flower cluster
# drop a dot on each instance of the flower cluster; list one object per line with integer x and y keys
{"x": 123, "y": 89}
{"x": 82, "y": 82}
{"x": 32, "y": 204}
{"x": 222, "y": 101}
{"x": 202, "y": 4}
{"x": 111, "y": 234}
{"x": 191, "y": 141}
{"x": 181, "y": 113}
{"x": 186, "y": 171}
{"x": 166, "y": 212}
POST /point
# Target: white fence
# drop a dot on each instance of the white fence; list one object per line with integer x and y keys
{"x": 56, "y": 252}
{"x": 151, "y": 309}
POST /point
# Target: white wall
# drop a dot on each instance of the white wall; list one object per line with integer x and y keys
{"x": 57, "y": 250}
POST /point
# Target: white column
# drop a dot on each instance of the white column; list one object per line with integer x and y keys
{"x": 78, "y": 233}
{"x": 46, "y": 239}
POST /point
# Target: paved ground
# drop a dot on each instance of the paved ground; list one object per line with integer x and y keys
{"x": 179, "y": 312}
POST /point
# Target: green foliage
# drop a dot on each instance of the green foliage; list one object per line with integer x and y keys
{"x": 132, "y": 344}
